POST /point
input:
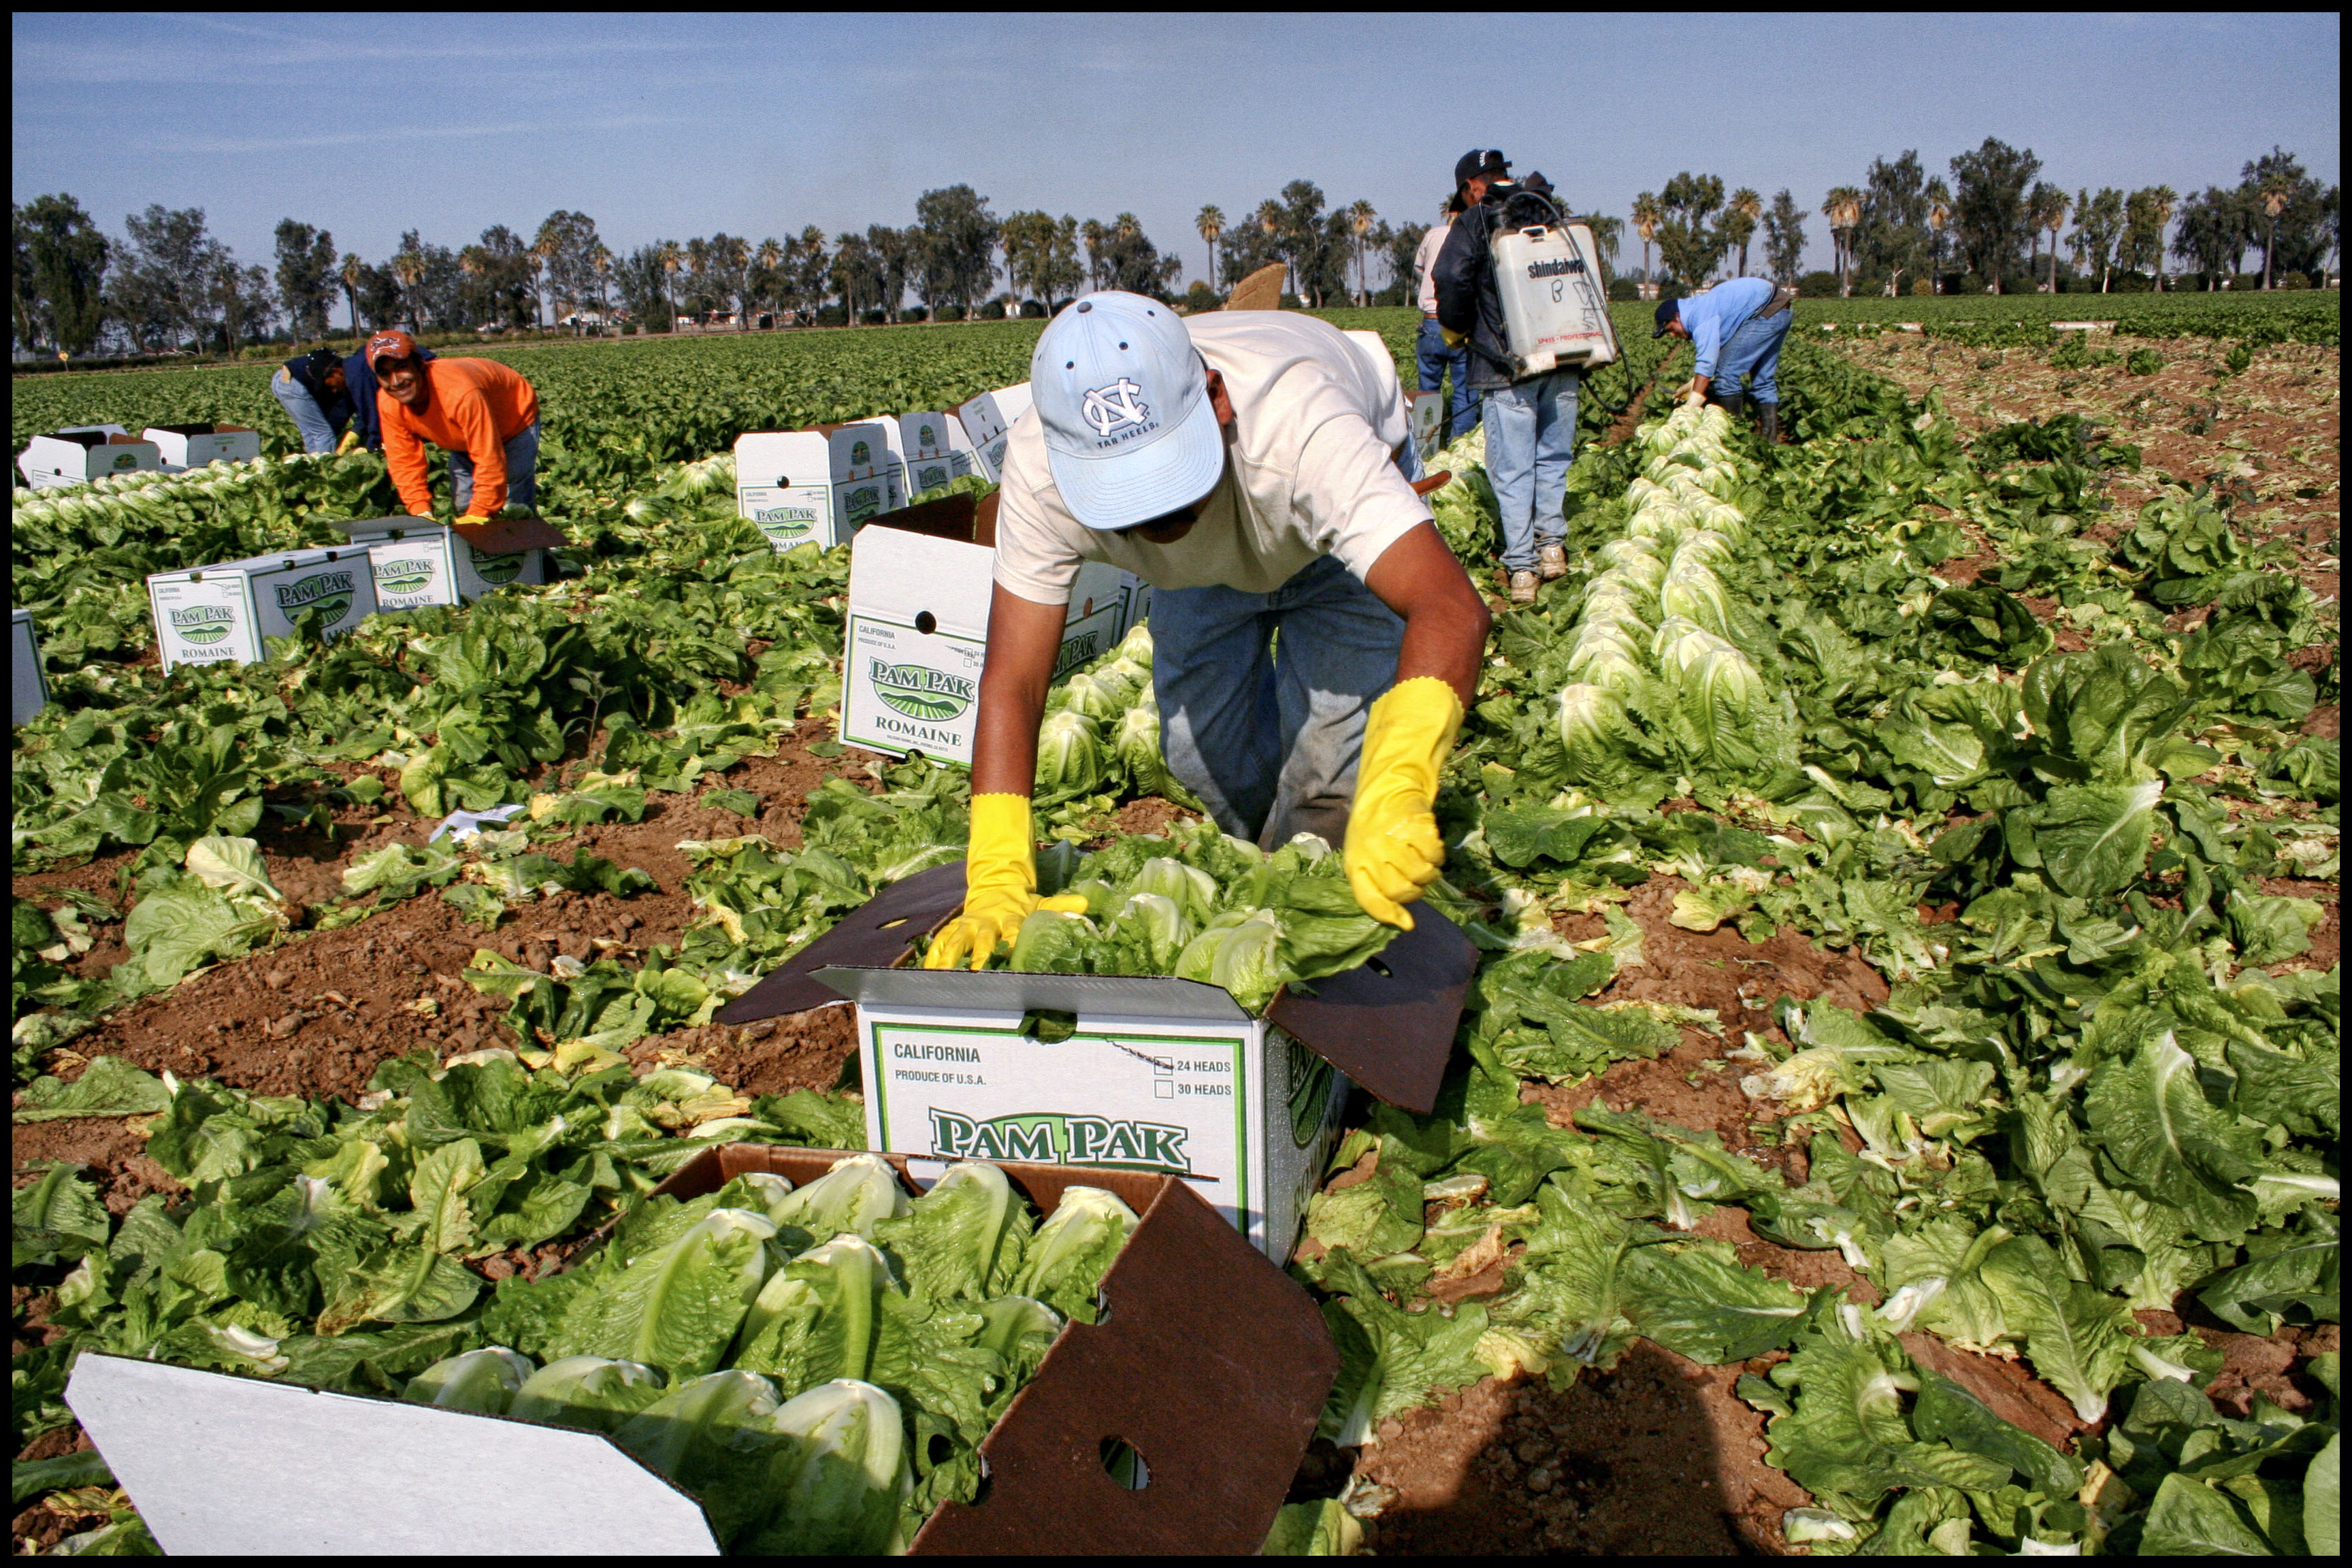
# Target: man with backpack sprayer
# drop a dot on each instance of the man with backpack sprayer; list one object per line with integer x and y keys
{"x": 1259, "y": 472}
{"x": 1737, "y": 327}
{"x": 1531, "y": 418}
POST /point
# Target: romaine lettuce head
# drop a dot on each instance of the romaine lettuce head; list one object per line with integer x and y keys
{"x": 1148, "y": 934}
{"x": 1053, "y": 942}
{"x": 965, "y": 1238}
{"x": 714, "y": 1437}
{"x": 859, "y": 1189}
{"x": 763, "y": 1192}
{"x": 593, "y": 1392}
{"x": 1136, "y": 645}
{"x": 1193, "y": 890}
{"x": 1693, "y": 593}
{"x": 1704, "y": 547}
{"x": 1089, "y": 694}
{"x": 1241, "y": 957}
{"x": 483, "y": 1381}
{"x": 1070, "y": 754}
{"x": 821, "y": 1316}
{"x": 1616, "y": 598}
{"x": 1594, "y": 730}
{"x": 1133, "y": 678}
{"x": 1138, "y": 747}
{"x": 840, "y": 1481}
{"x": 1020, "y": 1330}
{"x": 676, "y": 1307}
{"x": 1073, "y": 1249}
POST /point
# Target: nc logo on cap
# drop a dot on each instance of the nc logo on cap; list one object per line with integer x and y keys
{"x": 1109, "y": 408}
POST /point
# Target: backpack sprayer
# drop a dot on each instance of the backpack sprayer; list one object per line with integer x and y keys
{"x": 1555, "y": 312}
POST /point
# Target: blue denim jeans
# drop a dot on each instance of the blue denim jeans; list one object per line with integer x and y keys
{"x": 1435, "y": 360}
{"x": 1530, "y": 439}
{"x": 318, "y": 435}
{"x": 1267, "y": 732}
{"x": 522, "y": 469}
{"x": 1755, "y": 347}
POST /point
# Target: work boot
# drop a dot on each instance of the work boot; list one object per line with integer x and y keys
{"x": 1523, "y": 587}
{"x": 1768, "y": 416}
{"x": 1734, "y": 404}
{"x": 1551, "y": 561}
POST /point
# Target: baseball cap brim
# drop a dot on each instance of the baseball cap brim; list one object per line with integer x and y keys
{"x": 1124, "y": 488}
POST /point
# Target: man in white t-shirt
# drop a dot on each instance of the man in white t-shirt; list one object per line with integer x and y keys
{"x": 1257, "y": 471}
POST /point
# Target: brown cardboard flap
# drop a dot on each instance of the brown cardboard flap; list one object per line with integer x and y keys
{"x": 1389, "y": 1025}
{"x": 1261, "y": 291}
{"x": 870, "y": 937}
{"x": 506, "y": 535}
{"x": 984, "y": 522}
{"x": 948, "y": 517}
{"x": 1210, "y": 1364}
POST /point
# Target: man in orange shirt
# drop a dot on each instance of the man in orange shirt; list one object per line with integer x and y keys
{"x": 483, "y": 414}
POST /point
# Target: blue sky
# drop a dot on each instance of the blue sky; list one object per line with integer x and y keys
{"x": 666, "y": 126}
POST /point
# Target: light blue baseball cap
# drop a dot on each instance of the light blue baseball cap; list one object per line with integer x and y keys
{"x": 1130, "y": 434}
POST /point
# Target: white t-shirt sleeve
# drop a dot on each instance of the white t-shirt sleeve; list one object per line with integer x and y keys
{"x": 1350, "y": 497}
{"x": 1035, "y": 557}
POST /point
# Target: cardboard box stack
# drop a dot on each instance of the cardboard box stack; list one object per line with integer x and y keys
{"x": 988, "y": 419}
{"x": 417, "y": 561}
{"x": 84, "y": 452}
{"x": 224, "y": 611}
{"x": 186, "y": 447}
{"x": 819, "y": 485}
{"x": 920, "y": 583}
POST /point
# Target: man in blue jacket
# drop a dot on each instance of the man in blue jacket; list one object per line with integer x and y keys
{"x": 314, "y": 390}
{"x": 1737, "y": 327}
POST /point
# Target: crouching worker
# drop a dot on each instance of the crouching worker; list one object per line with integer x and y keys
{"x": 316, "y": 396}
{"x": 1314, "y": 641}
{"x": 483, "y": 414}
{"x": 1737, "y": 327}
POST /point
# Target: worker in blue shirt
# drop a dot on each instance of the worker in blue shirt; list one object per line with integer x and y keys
{"x": 1737, "y": 327}
{"x": 314, "y": 390}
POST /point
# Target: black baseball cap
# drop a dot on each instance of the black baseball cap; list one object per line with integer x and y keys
{"x": 1668, "y": 310}
{"x": 1488, "y": 162}
{"x": 322, "y": 362}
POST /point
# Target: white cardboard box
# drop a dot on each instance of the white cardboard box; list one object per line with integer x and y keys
{"x": 1162, "y": 1075}
{"x": 224, "y": 611}
{"x": 28, "y": 688}
{"x": 84, "y": 452}
{"x": 928, "y": 449}
{"x": 988, "y": 419}
{"x": 187, "y": 446}
{"x": 418, "y": 562}
{"x": 818, "y": 486}
{"x": 960, "y": 455}
{"x": 918, "y": 635}
{"x": 1428, "y": 412}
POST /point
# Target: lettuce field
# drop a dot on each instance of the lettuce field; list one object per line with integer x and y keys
{"x": 1898, "y": 1108}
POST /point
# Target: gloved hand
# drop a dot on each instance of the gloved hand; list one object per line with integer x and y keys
{"x": 1454, "y": 339}
{"x": 1687, "y": 390}
{"x": 1000, "y": 885}
{"x": 350, "y": 442}
{"x": 1393, "y": 850}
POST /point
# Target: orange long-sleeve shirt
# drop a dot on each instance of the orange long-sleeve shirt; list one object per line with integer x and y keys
{"x": 478, "y": 405}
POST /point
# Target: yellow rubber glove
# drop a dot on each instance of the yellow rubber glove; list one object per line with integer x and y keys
{"x": 350, "y": 441}
{"x": 1000, "y": 885}
{"x": 1454, "y": 339}
{"x": 1393, "y": 848}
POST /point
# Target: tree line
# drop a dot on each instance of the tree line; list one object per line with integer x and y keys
{"x": 1986, "y": 228}
{"x": 168, "y": 285}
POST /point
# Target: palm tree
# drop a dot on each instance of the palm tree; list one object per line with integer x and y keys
{"x": 1269, "y": 223}
{"x": 1940, "y": 218}
{"x": 542, "y": 258}
{"x": 408, "y": 267}
{"x": 2276, "y": 191}
{"x": 1647, "y": 216}
{"x": 1750, "y": 206}
{"x": 602, "y": 260}
{"x": 354, "y": 270}
{"x": 768, "y": 259}
{"x": 1210, "y": 221}
{"x": 1843, "y": 207}
{"x": 2052, "y": 214}
{"x": 1361, "y": 215}
{"x": 672, "y": 257}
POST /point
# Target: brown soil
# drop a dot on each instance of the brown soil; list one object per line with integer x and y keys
{"x": 2267, "y": 436}
{"x": 1657, "y": 1457}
